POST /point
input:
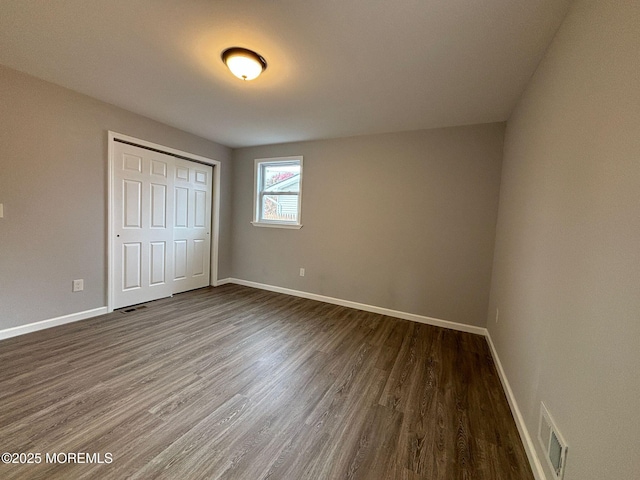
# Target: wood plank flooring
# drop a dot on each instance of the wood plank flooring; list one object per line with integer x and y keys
{"x": 238, "y": 383}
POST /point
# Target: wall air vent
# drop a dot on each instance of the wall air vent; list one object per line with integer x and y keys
{"x": 552, "y": 443}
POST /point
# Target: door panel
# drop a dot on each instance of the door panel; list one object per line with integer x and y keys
{"x": 132, "y": 163}
{"x": 193, "y": 224}
{"x": 158, "y": 262}
{"x": 198, "y": 257}
{"x": 182, "y": 207}
{"x": 182, "y": 172}
{"x": 143, "y": 212}
{"x": 132, "y": 265}
{"x": 158, "y": 206}
{"x": 200, "y": 217}
{"x": 158, "y": 168}
{"x": 132, "y": 204}
{"x": 180, "y": 265}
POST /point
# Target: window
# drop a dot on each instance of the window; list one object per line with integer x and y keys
{"x": 278, "y": 192}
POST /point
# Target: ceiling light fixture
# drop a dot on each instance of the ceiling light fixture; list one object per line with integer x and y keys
{"x": 244, "y": 64}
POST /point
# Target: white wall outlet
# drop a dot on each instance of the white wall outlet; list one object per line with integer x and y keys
{"x": 302, "y": 272}
{"x": 1, "y": 210}
{"x": 497, "y": 314}
{"x": 78, "y": 285}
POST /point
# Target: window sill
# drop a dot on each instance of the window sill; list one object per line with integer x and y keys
{"x": 291, "y": 226}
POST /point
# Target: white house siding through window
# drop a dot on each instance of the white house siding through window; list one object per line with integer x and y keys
{"x": 282, "y": 207}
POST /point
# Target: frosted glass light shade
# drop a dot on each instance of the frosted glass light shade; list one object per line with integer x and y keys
{"x": 244, "y": 64}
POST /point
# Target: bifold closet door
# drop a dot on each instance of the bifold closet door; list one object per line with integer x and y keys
{"x": 143, "y": 215}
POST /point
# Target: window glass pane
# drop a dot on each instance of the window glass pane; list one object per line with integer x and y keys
{"x": 278, "y": 188}
{"x": 281, "y": 178}
{"x": 283, "y": 208}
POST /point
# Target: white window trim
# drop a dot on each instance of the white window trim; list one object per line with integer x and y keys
{"x": 256, "y": 197}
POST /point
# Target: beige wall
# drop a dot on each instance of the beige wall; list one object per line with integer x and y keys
{"x": 404, "y": 221}
{"x": 567, "y": 261}
{"x": 53, "y": 180}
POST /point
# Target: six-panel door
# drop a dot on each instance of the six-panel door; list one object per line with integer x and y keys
{"x": 192, "y": 225}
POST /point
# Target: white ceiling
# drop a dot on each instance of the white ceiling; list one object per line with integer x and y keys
{"x": 336, "y": 67}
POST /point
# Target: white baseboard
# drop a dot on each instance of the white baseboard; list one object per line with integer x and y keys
{"x": 529, "y": 447}
{"x": 218, "y": 283}
{"x": 52, "y": 322}
{"x": 360, "y": 306}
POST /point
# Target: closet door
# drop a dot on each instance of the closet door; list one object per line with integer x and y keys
{"x": 192, "y": 225}
{"x": 143, "y": 203}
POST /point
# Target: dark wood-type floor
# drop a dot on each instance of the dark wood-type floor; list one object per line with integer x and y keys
{"x": 239, "y": 383}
